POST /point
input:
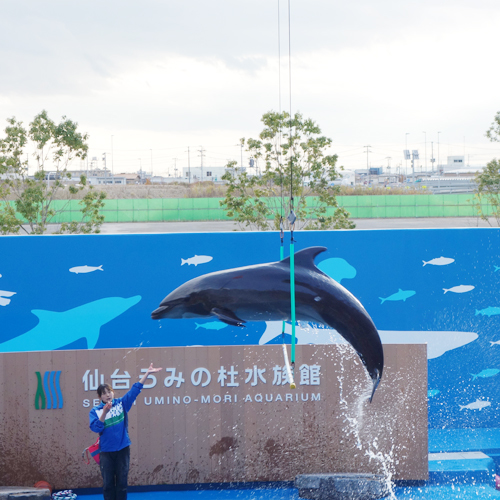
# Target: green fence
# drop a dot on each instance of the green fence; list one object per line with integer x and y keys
{"x": 195, "y": 209}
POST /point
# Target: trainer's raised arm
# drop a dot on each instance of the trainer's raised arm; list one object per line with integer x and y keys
{"x": 151, "y": 369}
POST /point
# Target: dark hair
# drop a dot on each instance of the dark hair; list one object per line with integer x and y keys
{"x": 102, "y": 388}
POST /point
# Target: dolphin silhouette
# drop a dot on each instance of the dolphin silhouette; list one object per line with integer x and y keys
{"x": 58, "y": 329}
{"x": 262, "y": 293}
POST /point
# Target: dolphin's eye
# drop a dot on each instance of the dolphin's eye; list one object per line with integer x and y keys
{"x": 317, "y": 299}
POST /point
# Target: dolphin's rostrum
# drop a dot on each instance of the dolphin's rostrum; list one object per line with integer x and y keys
{"x": 262, "y": 293}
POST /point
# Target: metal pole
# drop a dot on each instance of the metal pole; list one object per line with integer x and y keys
{"x": 112, "y": 161}
{"x": 367, "y": 165}
{"x": 439, "y": 160}
{"x": 406, "y": 148}
{"x": 425, "y": 146}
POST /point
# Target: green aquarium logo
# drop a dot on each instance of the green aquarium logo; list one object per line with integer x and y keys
{"x": 48, "y": 392}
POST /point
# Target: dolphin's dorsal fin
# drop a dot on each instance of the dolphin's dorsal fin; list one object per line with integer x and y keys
{"x": 305, "y": 258}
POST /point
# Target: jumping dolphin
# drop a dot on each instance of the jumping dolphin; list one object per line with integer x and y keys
{"x": 262, "y": 293}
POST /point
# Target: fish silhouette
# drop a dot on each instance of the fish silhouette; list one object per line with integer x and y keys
{"x": 459, "y": 289}
{"x": 58, "y": 329}
{"x": 3, "y": 300}
{"x": 440, "y": 261}
{"x": 85, "y": 269}
{"x": 477, "y": 405}
{"x": 399, "y": 295}
{"x": 197, "y": 259}
{"x": 491, "y": 372}
{"x": 211, "y": 325}
{"x": 489, "y": 311}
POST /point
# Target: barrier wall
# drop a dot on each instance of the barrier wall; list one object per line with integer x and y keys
{"x": 216, "y": 414}
{"x": 434, "y": 286}
{"x": 194, "y": 209}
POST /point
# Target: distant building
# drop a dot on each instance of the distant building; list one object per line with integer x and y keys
{"x": 213, "y": 174}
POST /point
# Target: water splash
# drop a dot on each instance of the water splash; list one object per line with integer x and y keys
{"x": 353, "y": 414}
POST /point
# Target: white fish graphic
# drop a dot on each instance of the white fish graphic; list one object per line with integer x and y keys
{"x": 477, "y": 405}
{"x": 438, "y": 342}
{"x": 459, "y": 289}
{"x": 495, "y": 343}
{"x": 441, "y": 261}
{"x": 197, "y": 259}
{"x": 85, "y": 269}
{"x": 3, "y": 300}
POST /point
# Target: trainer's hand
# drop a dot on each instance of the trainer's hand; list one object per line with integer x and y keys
{"x": 107, "y": 407}
{"x": 152, "y": 370}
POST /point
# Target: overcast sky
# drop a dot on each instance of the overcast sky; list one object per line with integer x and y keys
{"x": 149, "y": 79}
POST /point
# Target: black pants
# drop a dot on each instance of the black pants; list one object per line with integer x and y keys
{"x": 114, "y": 469}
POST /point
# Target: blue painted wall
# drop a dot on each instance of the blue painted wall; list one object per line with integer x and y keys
{"x": 50, "y": 300}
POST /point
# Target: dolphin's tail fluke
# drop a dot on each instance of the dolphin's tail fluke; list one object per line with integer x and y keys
{"x": 100, "y": 268}
{"x": 382, "y": 299}
{"x": 376, "y": 381}
{"x": 183, "y": 261}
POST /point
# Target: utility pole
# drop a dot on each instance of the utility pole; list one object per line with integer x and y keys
{"x": 175, "y": 166}
{"x": 425, "y": 151}
{"x": 407, "y": 156}
{"x": 112, "y": 160}
{"x": 104, "y": 160}
{"x": 439, "y": 159}
{"x": 367, "y": 164}
{"x": 201, "y": 155}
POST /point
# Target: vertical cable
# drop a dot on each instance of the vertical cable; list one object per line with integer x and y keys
{"x": 291, "y": 217}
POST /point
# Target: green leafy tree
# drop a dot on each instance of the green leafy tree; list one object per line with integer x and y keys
{"x": 487, "y": 192}
{"x": 28, "y": 199}
{"x": 293, "y": 171}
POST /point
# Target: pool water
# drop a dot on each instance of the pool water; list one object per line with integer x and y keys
{"x": 428, "y": 492}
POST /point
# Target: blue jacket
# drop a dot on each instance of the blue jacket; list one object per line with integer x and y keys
{"x": 114, "y": 430}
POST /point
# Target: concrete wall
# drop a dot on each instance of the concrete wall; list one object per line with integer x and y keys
{"x": 192, "y": 425}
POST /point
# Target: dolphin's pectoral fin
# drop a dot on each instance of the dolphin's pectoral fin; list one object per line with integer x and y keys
{"x": 227, "y": 316}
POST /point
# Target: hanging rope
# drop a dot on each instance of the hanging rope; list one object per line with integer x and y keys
{"x": 291, "y": 216}
{"x": 289, "y": 367}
